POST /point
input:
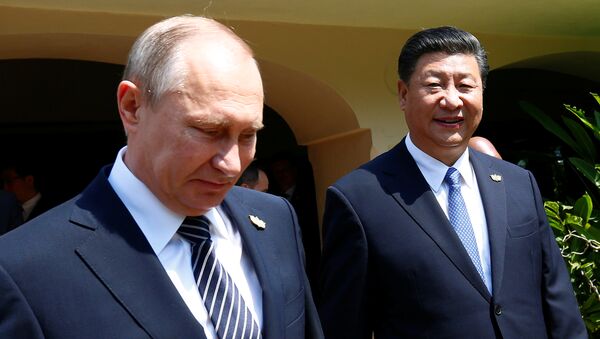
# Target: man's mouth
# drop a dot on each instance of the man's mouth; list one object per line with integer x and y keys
{"x": 450, "y": 120}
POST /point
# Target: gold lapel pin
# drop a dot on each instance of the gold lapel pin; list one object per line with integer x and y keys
{"x": 260, "y": 225}
{"x": 496, "y": 177}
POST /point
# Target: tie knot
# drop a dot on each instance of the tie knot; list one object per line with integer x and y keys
{"x": 195, "y": 229}
{"x": 452, "y": 177}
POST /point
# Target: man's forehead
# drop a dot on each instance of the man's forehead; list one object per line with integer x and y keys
{"x": 435, "y": 63}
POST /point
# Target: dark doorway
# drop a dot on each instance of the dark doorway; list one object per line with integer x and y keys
{"x": 522, "y": 140}
{"x": 61, "y": 116}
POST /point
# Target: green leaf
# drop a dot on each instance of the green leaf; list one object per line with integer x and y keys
{"x": 596, "y": 96}
{"x": 548, "y": 123}
{"x": 590, "y": 171}
{"x": 583, "y": 208}
{"x": 552, "y": 209}
{"x": 580, "y": 114}
{"x": 584, "y": 144}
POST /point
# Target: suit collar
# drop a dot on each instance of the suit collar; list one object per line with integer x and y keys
{"x": 120, "y": 256}
{"x": 408, "y": 186}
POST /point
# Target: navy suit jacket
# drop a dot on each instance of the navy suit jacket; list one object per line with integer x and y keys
{"x": 393, "y": 265}
{"x": 85, "y": 270}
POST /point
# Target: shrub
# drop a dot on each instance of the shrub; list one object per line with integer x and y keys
{"x": 576, "y": 225}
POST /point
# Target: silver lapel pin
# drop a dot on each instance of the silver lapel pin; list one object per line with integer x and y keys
{"x": 260, "y": 225}
{"x": 496, "y": 177}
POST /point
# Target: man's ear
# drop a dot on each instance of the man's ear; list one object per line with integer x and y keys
{"x": 129, "y": 100}
{"x": 402, "y": 92}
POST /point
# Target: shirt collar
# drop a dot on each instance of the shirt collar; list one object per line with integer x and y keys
{"x": 434, "y": 170}
{"x": 157, "y": 222}
{"x": 30, "y": 204}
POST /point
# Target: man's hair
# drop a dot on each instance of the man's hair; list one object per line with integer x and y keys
{"x": 22, "y": 169}
{"x": 250, "y": 175}
{"x": 154, "y": 63}
{"x": 446, "y": 39}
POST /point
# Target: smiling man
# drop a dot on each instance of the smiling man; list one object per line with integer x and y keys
{"x": 433, "y": 239}
{"x": 161, "y": 245}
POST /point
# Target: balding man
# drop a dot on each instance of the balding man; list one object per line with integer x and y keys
{"x": 254, "y": 178}
{"x": 484, "y": 146}
{"x": 161, "y": 245}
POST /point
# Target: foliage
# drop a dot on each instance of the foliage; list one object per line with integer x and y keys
{"x": 577, "y": 226}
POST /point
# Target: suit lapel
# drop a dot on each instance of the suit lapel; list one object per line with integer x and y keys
{"x": 256, "y": 242}
{"x": 120, "y": 256}
{"x": 493, "y": 196}
{"x": 410, "y": 189}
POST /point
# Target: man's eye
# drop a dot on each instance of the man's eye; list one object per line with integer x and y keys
{"x": 209, "y": 131}
{"x": 249, "y": 137}
{"x": 466, "y": 87}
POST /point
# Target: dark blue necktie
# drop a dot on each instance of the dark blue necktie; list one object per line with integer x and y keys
{"x": 459, "y": 218}
{"x": 224, "y": 303}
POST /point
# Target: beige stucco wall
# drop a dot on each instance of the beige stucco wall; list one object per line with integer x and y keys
{"x": 357, "y": 64}
{"x": 334, "y": 85}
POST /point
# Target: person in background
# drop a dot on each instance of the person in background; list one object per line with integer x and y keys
{"x": 254, "y": 178}
{"x": 484, "y": 146}
{"x": 433, "y": 240}
{"x": 162, "y": 244}
{"x": 22, "y": 180}
{"x": 10, "y": 212}
{"x": 293, "y": 180}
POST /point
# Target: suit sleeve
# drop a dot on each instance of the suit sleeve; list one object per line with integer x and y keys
{"x": 563, "y": 319}
{"x": 16, "y": 317}
{"x": 343, "y": 280}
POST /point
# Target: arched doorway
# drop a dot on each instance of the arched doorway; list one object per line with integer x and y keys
{"x": 51, "y": 105}
{"x": 547, "y": 82}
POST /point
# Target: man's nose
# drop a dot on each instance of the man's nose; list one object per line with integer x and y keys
{"x": 228, "y": 159}
{"x": 452, "y": 99}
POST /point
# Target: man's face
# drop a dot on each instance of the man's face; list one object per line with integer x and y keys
{"x": 443, "y": 104}
{"x": 21, "y": 186}
{"x": 193, "y": 145}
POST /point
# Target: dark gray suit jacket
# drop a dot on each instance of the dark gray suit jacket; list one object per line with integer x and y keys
{"x": 85, "y": 270}
{"x": 392, "y": 263}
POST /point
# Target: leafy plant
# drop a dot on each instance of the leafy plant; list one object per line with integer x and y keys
{"x": 577, "y": 226}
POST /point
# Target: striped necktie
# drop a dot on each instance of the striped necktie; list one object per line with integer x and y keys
{"x": 224, "y": 303}
{"x": 459, "y": 218}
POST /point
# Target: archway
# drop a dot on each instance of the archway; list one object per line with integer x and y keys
{"x": 548, "y": 82}
{"x": 50, "y": 103}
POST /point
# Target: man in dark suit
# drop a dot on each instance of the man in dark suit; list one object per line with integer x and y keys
{"x": 161, "y": 245}
{"x": 434, "y": 240}
{"x": 10, "y": 212}
{"x": 22, "y": 180}
{"x": 254, "y": 178}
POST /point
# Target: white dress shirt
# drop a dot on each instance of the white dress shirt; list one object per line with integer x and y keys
{"x": 159, "y": 225}
{"x": 434, "y": 172}
{"x": 29, "y": 205}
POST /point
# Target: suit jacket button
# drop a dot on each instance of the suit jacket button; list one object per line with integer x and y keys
{"x": 498, "y": 309}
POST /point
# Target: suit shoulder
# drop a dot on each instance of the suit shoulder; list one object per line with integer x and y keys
{"x": 46, "y": 230}
{"x": 252, "y": 197}
{"x": 505, "y": 166}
